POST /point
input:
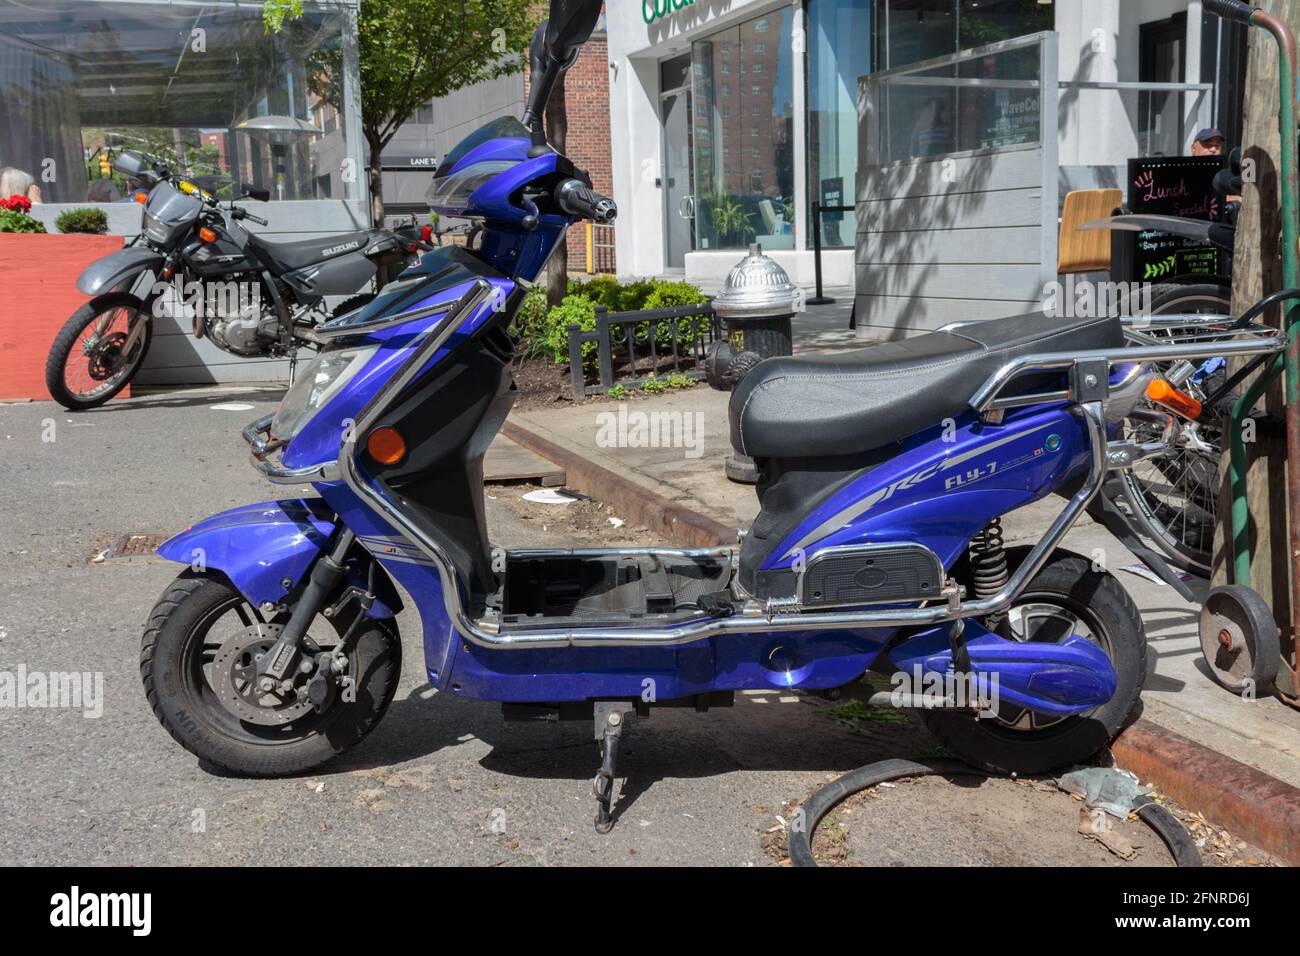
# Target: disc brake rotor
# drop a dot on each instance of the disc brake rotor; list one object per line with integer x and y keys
{"x": 233, "y": 676}
{"x": 107, "y": 357}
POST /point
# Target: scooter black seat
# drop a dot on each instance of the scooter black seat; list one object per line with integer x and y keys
{"x": 854, "y": 402}
{"x": 300, "y": 253}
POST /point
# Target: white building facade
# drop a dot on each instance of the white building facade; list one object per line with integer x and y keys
{"x": 730, "y": 118}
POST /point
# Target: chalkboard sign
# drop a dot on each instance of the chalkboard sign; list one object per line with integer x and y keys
{"x": 1175, "y": 186}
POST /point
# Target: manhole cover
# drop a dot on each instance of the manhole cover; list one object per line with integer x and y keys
{"x": 132, "y": 546}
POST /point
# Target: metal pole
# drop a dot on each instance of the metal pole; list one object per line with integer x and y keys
{"x": 819, "y": 298}
{"x": 1288, "y": 362}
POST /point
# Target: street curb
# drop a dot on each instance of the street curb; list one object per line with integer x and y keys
{"x": 1247, "y": 802}
{"x": 633, "y": 502}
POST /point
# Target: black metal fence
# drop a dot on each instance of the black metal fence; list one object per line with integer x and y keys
{"x": 633, "y": 347}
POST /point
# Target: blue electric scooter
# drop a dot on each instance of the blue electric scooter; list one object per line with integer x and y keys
{"x": 884, "y": 474}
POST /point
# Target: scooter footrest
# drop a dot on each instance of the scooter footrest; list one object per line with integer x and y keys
{"x": 871, "y": 574}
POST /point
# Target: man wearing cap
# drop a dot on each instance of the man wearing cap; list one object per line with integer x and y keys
{"x": 1208, "y": 142}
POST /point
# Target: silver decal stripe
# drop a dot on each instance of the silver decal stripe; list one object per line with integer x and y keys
{"x": 859, "y": 508}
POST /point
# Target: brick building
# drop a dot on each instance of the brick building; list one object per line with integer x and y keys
{"x": 586, "y": 98}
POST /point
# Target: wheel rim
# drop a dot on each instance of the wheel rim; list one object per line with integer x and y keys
{"x": 95, "y": 364}
{"x": 1050, "y": 619}
{"x": 1177, "y": 492}
{"x": 212, "y": 652}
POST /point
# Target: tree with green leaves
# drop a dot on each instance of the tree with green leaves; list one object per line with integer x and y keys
{"x": 414, "y": 51}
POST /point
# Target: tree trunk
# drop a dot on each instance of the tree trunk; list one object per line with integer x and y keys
{"x": 1257, "y": 271}
{"x": 557, "y": 129}
{"x": 376, "y": 173}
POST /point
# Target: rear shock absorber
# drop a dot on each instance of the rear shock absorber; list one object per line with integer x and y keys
{"x": 988, "y": 565}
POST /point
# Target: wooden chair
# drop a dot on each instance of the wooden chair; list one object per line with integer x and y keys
{"x": 1087, "y": 251}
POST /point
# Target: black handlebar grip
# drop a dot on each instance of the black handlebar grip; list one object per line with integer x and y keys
{"x": 1231, "y": 10}
{"x": 578, "y": 199}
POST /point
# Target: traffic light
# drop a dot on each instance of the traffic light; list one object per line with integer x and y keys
{"x": 105, "y": 167}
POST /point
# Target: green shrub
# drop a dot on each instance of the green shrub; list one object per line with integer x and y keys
{"x": 668, "y": 295}
{"x": 545, "y": 332}
{"x": 633, "y": 295}
{"x": 654, "y": 386}
{"x": 530, "y": 323}
{"x": 617, "y": 392}
{"x": 678, "y": 380}
{"x": 603, "y": 290}
{"x": 573, "y": 310}
{"x": 11, "y": 220}
{"x": 85, "y": 220}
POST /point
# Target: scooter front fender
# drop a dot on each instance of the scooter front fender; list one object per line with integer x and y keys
{"x": 268, "y": 549}
{"x": 1055, "y": 680}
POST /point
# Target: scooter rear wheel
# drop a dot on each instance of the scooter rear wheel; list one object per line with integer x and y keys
{"x": 1066, "y": 589}
{"x": 203, "y": 634}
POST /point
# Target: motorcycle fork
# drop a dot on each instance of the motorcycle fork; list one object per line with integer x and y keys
{"x": 324, "y": 580}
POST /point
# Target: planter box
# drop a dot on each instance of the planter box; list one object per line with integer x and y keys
{"x": 38, "y": 276}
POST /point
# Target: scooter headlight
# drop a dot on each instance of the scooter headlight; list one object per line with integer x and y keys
{"x": 324, "y": 378}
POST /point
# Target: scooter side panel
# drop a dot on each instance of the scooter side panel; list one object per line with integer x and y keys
{"x": 945, "y": 485}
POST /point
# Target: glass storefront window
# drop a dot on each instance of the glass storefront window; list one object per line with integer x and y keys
{"x": 201, "y": 86}
{"x": 981, "y": 103}
{"x": 910, "y": 31}
{"x": 743, "y": 136}
{"x": 837, "y": 56}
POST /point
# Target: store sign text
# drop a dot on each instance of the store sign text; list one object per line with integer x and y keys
{"x": 652, "y": 10}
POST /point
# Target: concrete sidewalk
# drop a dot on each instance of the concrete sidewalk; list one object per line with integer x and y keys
{"x": 1179, "y": 695}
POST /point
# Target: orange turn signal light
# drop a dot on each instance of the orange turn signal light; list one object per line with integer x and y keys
{"x": 1165, "y": 395}
{"x": 141, "y": 197}
{"x": 386, "y": 446}
{"x": 207, "y": 235}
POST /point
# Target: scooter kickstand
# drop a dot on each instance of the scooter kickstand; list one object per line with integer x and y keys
{"x": 610, "y": 717}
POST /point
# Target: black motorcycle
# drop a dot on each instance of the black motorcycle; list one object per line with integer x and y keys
{"x": 248, "y": 296}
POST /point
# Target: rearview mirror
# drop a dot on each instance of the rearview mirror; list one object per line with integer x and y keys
{"x": 569, "y": 26}
{"x": 131, "y": 164}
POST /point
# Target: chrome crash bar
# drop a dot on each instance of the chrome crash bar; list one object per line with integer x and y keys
{"x": 277, "y": 474}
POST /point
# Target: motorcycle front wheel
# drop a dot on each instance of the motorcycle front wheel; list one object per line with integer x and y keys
{"x": 198, "y": 663}
{"x": 90, "y": 360}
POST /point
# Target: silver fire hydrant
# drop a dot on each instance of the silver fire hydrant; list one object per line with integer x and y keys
{"x": 756, "y": 306}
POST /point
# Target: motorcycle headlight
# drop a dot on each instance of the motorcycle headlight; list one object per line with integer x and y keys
{"x": 324, "y": 378}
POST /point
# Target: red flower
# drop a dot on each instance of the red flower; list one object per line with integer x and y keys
{"x": 17, "y": 203}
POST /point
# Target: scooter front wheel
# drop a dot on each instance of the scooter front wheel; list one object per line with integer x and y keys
{"x": 1068, "y": 596}
{"x": 198, "y": 661}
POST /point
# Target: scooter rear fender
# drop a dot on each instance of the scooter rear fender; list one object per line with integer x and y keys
{"x": 1056, "y": 680}
{"x": 268, "y": 549}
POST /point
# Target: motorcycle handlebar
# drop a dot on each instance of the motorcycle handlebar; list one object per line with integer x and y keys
{"x": 1234, "y": 10}
{"x": 237, "y": 213}
{"x": 578, "y": 199}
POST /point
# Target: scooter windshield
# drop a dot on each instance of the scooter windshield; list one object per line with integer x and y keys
{"x": 506, "y": 127}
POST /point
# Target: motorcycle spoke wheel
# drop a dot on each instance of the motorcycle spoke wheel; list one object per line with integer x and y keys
{"x": 96, "y": 364}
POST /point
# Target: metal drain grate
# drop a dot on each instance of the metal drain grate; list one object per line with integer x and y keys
{"x": 133, "y": 546}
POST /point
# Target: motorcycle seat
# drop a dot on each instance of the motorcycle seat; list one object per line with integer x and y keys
{"x": 300, "y": 253}
{"x": 822, "y": 406}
